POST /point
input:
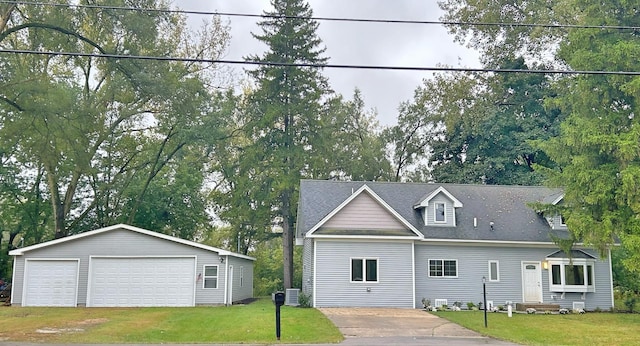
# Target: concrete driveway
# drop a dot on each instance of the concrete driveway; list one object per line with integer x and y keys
{"x": 388, "y": 326}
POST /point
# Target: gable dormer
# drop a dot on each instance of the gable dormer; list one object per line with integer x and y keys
{"x": 555, "y": 219}
{"x": 438, "y": 208}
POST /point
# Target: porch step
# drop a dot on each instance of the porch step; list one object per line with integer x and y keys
{"x": 537, "y": 306}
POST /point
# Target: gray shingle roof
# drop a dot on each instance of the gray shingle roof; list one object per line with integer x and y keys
{"x": 505, "y": 206}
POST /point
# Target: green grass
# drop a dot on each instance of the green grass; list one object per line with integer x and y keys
{"x": 251, "y": 323}
{"x": 587, "y": 329}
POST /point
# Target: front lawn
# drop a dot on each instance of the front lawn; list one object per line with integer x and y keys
{"x": 252, "y": 323}
{"x": 539, "y": 329}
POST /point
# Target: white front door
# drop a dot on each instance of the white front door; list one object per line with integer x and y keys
{"x": 531, "y": 282}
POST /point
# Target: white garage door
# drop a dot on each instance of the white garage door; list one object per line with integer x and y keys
{"x": 50, "y": 283}
{"x": 162, "y": 281}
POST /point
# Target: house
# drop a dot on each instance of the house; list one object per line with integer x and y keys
{"x": 372, "y": 244}
{"x": 123, "y": 265}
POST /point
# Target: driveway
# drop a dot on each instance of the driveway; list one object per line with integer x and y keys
{"x": 388, "y": 326}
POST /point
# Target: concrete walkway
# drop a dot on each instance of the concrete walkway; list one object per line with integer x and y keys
{"x": 387, "y": 326}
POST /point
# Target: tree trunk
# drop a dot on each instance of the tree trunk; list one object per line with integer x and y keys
{"x": 287, "y": 240}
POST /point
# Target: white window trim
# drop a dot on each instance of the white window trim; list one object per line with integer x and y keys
{"x": 241, "y": 276}
{"x": 497, "y": 271}
{"x": 204, "y": 276}
{"x": 364, "y": 270}
{"x": 435, "y": 212}
{"x": 442, "y": 260}
{"x": 562, "y": 287}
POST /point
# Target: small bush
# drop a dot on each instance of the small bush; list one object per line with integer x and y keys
{"x": 470, "y": 305}
{"x": 305, "y": 300}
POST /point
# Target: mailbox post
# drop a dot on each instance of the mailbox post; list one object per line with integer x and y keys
{"x": 278, "y": 300}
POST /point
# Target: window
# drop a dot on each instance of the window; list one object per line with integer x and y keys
{"x": 364, "y": 270}
{"x": 443, "y": 268}
{"x": 494, "y": 274}
{"x": 210, "y": 277}
{"x": 571, "y": 277}
{"x": 241, "y": 276}
{"x": 439, "y": 209}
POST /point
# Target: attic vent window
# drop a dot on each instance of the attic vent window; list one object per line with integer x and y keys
{"x": 440, "y": 212}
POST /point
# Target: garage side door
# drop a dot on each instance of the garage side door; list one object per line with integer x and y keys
{"x": 161, "y": 281}
{"x": 51, "y": 283}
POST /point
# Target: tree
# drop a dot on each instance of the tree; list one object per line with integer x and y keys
{"x": 285, "y": 112}
{"x": 595, "y": 157}
{"x": 597, "y": 149}
{"x": 98, "y": 125}
{"x": 495, "y": 144}
{"x": 353, "y": 144}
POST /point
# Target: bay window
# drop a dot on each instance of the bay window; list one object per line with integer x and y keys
{"x": 571, "y": 276}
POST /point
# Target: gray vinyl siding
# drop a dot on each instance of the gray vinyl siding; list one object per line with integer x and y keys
{"x": 363, "y": 212}
{"x": 333, "y": 286}
{"x": 307, "y": 266}
{"x": 246, "y": 290}
{"x": 449, "y": 211}
{"x": 473, "y": 265}
{"x": 127, "y": 244}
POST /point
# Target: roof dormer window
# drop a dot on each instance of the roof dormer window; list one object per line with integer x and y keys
{"x": 440, "y": 215}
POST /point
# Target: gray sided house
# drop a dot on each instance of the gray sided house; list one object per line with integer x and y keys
{"x": 122, "y": 265}
{"x": 369, "y": 244}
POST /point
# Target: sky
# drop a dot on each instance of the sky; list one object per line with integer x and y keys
{"x": 352, "y": 43}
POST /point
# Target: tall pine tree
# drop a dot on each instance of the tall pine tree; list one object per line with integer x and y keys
{"x": 285, "y": 112}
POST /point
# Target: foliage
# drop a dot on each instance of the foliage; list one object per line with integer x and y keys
{"x": 595, "y": 155}
{"x": 475, "y": 129}
{"x": 305, "y": 300}
{"x": 623, "y": 278}
{"x": 284, "y": 114}
{"x": 245, "y": 323}
{"x": 597, "y": 148}
{"x": 105, "y": 137}
{"x": 268, "y": 268}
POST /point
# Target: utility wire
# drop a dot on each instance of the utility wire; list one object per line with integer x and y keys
{"x": 334, "y": 19}
{"x": 337, "y": 66}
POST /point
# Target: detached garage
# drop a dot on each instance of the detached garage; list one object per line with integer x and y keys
{"x": 123, "y": 265}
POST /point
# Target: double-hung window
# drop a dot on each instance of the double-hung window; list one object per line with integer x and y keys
{"x": 364, "y": 270}
{"x": 443, "y": 268}
{"x": 210, "y": 277}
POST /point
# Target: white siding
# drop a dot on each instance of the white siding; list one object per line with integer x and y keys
{"x": 333, "y": 274}
{"x": 364, "y": 212}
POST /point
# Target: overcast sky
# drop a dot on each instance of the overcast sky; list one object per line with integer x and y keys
{"x": 353, "y": 43}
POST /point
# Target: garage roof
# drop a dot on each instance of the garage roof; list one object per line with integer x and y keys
{"x": 221, "y": 252}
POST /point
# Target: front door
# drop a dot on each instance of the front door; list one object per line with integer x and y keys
{"x": 531, "y": 282}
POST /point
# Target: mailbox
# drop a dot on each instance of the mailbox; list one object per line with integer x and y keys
{"x": 278, "y": 298}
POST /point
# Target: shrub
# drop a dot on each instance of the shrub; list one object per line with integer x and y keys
{"x": 305, "y": 300}
{"x": 470, "y": 305}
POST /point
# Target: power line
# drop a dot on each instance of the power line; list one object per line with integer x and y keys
{"x": 334, "y": 19}
{"x": 336, "y": 66}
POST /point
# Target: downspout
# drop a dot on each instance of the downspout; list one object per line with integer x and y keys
{"x": 13, "y": 280}
{"x": 226, "y": 277}
{"x": 315, "y": 252}
{"x": 413, "y": 271}
{"x": 611, "y": 280}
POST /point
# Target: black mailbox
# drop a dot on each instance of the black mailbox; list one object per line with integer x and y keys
{"x": 278, "y": 298}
